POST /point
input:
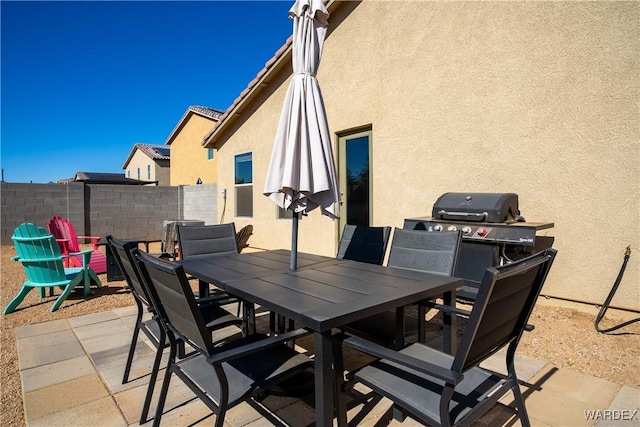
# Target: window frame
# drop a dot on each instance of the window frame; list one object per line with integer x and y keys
{"x": 242, "y": 187}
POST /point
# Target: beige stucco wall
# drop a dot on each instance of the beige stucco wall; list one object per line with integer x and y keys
{"x": 159, "y": 170}
{"x": 188, "y": 159}
{"x": 536, "y": 98}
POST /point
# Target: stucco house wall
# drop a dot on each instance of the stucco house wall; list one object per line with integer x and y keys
{"x": 256, "y": 136}
{"x": 189, "y": 158}
{"x": 159, "y": 171}
{"x": 535, "y": 98}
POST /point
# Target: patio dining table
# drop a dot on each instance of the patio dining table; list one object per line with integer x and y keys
{"x": 322, "y": 294}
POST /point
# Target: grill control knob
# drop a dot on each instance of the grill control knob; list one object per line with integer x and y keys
{"x": 482, "y": 231}
{"x": 437, "y": 227}
{"x": 466, "y": 229}
{"x": 452, "y": 228}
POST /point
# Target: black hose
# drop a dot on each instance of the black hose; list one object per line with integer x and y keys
{"x": 605, "y": 306}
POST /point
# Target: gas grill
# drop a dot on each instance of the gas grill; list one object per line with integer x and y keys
{"x": 493, "y": 232}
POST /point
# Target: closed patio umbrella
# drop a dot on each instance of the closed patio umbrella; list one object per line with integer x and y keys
{"x": 302, "y": 171}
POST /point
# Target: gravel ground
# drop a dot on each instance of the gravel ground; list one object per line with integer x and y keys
{"x": 564, "y": 337}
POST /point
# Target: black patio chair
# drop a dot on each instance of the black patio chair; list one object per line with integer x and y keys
{"x": 220, "y": 374}
{"x": 444, "y": 390}
{"x": 216, "y": 317}
{"x": 203, "y": 241}
{"x": 364, "y": 244}
{"x": 414, "y": 250}
{"x": 199, "y": 241}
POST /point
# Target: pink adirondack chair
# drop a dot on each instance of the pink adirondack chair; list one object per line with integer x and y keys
{"x": 67, "y": 239}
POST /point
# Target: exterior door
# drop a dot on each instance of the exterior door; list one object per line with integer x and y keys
{"x": 354, "y": 166}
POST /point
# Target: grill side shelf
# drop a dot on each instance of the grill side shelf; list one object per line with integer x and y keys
{"x": 519, "y": 233}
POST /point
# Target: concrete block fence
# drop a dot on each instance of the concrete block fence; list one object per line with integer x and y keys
{"x": 125, "y": 211}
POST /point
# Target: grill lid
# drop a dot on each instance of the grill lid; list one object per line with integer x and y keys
{"x": 485, "y": 207}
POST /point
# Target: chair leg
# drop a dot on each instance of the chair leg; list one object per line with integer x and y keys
{"x": 132, "y": 350}
{"x": 224, "y": 395}
{"x": 515, "y": 387}
{"x": 152, "y": 378}
{"x": 93, "y": 277}
{"x": 520, "y": 408}
{"x": 16, "y": 300}
{"x": 63, "y": 296}
{"x": 163, "y": 390}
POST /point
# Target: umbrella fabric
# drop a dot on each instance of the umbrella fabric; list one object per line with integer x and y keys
{"x": 302, "y": 172}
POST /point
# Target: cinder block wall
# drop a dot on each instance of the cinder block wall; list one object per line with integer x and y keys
{"x": 122, "y": 210}
{"x": 37, "y": 203}
{"x": 201, "y": 202}
{"x": 128, "y": 211}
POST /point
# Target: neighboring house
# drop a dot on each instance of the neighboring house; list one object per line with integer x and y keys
{"x": 104, "y": 178}
{"x": 148, "y": 162}
{"x": 534, "y": 98}
{"x": 192, "y": 162}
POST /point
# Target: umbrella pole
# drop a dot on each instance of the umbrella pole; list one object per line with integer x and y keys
{"x": 294, "y": 242}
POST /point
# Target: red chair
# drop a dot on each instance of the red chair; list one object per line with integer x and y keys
{"x": 67, "y": 239}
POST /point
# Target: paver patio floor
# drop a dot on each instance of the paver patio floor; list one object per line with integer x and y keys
{"x": 71, "y": 371}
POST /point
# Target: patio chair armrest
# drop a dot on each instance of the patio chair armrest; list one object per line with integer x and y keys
{"x": 63, "y": 244}
{"x": 39, "y": 260}
{"x": 86, "y": 256}
{"x": 94, "y": 240}
{"x": 445, "y": 308}
{"x": 403, "y": 359}
{"x": 148, "y": 242}
{"x": 83, "y": 252}
{"x": 210, "y": 300}
{"x": 245, "y": 350}
{"x": 223, "y": 322}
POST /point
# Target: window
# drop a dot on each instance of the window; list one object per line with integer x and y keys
{"x": 284, "y": 213}
{"x": 149, "y": 172}
{"x": 287, "y": 213}
{"x": 138, "y": 174}
{"x": 128, "y": 173}
{"x": 243, "y": 165}
{"x": 354, "y": 171}
{"x": 210, "y": 153}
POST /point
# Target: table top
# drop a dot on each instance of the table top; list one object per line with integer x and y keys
{"x": 333, "y": 293}
{"x": 222, "y": 269}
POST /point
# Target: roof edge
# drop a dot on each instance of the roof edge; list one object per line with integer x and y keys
{"x": 193, "y": 109}
{"x": 253, "y": 87}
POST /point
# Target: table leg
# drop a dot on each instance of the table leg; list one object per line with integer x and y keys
{"x": 449, "y": 324}
{"x": 324, "y": 378}
{"x": 249, "y": 313}
{"x": 203, "y": 288}
{"x": 339, "y": 383}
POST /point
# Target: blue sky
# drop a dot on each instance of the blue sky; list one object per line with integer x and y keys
{"x": 82, "y": 82}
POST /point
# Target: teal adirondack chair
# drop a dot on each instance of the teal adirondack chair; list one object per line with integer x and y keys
{"x": 40, "y": 256}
